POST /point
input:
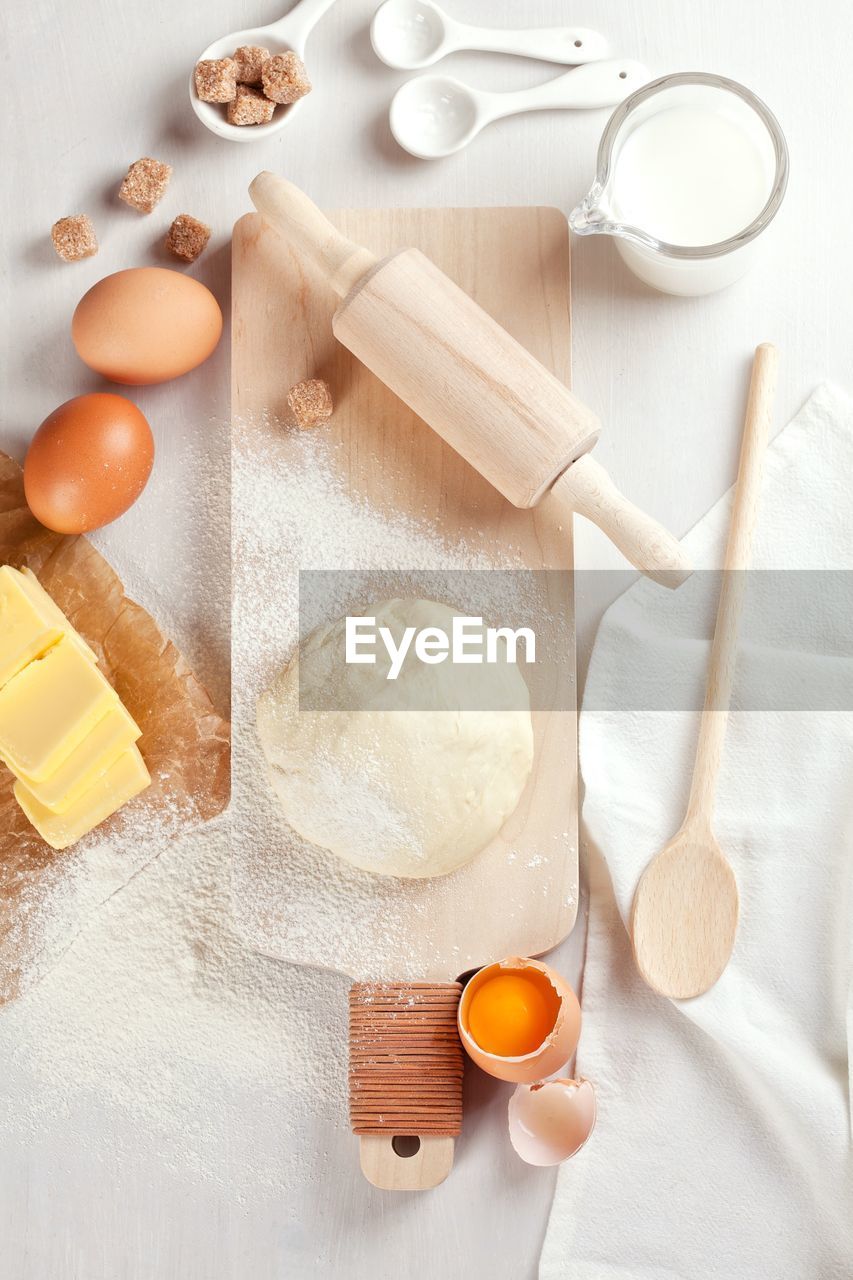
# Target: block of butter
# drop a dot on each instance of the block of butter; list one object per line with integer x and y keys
{"x": 47, "y": 710}
{"x": 27, "y": 629}
{"x": 110, "y": 738}
{"x": 52, "y": 611}
{"x": 124, "y": 779}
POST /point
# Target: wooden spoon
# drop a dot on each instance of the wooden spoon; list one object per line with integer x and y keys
{"x": 685, "y": 911}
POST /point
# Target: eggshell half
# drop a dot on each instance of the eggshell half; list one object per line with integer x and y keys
{"x": 557, "y": 1048}
{"x": 550, "y": 1122}
{"x": 146, "y": 324}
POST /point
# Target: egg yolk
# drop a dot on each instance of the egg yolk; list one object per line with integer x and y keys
{"x": 510, "y": 1016}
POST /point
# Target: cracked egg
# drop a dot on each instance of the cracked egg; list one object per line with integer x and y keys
{"x": 519, "y": 1020}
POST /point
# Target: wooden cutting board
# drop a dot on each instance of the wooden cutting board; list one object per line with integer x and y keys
{"x": 519, "y": 896}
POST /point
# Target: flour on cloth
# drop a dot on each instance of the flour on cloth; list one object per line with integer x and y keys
{"x": 723, "y": 1147}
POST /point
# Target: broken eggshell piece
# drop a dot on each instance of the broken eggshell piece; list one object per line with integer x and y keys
{"x": 551, "y": 1121}
{"x": 561, "y": 1029}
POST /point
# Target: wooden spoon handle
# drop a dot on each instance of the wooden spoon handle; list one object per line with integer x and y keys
{"x": 294, "y": 215}
{"x": 587, "y": 488}
{"x": 718, "y": 690}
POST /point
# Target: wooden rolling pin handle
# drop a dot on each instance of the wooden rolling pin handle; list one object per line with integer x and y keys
{"x": 588, "y": 489}
{"x": 294, "y": 215}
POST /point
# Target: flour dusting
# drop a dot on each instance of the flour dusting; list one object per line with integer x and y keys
{"x": 161, "y": 1020}
{"x": 293, "y": 511}
{"x": 163, "y": 1023}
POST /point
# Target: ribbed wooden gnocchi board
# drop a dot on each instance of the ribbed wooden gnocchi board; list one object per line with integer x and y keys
{"x": 519, "y": 896}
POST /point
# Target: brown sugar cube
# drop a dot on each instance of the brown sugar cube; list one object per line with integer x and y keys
{"x": 250, "y": 107}
{"x": 216, "y": 80}
{"x": 285, "y": 79}
{"x": 310, "y": 402}
{"x": 145, "y": 183}
{"x": 187, "y": 237}
{"x": 74, "y": 238}
{"x": 250, "y": 58}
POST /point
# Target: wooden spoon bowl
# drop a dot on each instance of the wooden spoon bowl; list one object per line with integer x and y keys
{"x": 685, "y": 915}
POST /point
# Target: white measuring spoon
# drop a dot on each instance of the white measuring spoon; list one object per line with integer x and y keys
{"x": 290, "y": 33}
{"x": 436, "y": 115}
{"x": 410, "y": 34}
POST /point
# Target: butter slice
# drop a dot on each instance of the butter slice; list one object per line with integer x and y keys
{"x": 110, "y": 738}
{"x": 124, "y": 779}
{"x": 27, "y": 629}
{"x": 52, "y": 612}
{"x": 49, "y": 708}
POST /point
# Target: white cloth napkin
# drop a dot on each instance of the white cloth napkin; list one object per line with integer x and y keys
{"x": 723, "y": 1144}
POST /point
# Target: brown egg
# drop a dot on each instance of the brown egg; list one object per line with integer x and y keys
{"x": 87, "y": 463}
{"x": 146, "y": 325}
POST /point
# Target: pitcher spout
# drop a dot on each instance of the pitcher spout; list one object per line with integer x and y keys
{"x": 591, "y": 217}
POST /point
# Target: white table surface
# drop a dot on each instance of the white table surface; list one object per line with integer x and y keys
{"x": 91, "y": 86}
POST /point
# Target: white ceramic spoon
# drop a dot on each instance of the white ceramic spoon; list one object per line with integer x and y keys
{"x": 410, "y": 34}
{"x": 290, "y": 33}
{"x": 436, "y": 115}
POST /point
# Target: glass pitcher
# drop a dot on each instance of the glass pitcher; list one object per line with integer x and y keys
{"x": 692, "y": 99}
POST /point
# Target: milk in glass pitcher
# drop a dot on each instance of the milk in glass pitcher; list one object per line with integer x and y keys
{"x": 692, "y": 169}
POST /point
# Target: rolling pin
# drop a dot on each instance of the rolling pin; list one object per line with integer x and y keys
{"x": 450, "y": 362}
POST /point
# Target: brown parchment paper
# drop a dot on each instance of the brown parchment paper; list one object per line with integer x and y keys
{"x": 185, "y": 743}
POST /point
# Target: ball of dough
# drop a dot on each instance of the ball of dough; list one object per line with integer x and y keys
{"x": 407, "y": 784}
